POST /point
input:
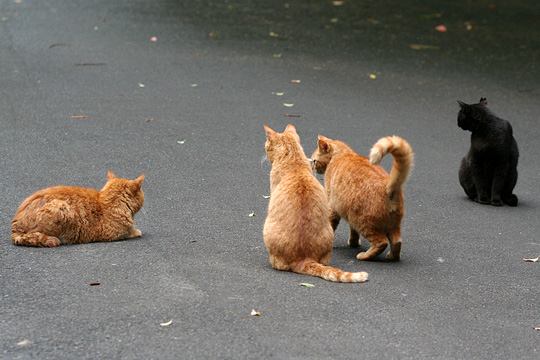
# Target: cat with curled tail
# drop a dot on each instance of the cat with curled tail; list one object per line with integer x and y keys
{"x": 297, "y": 231}
{"x": 74, "y": 215}
{"x": 364, "y": 194}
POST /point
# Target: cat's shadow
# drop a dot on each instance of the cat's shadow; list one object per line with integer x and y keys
{"x": 522, "y": 205}
{"x": 345, "y": 252}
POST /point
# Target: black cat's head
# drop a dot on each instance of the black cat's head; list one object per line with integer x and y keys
{"x": 471, "y": 116}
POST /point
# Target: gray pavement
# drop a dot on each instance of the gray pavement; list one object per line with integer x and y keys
{"x": 461, "y": 290}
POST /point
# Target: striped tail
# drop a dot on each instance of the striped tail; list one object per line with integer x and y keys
{"x": 403, "y": 161}
{"x": 313, "y": 268}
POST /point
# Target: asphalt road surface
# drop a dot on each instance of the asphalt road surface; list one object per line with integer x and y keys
{"x": 83, "y": 89}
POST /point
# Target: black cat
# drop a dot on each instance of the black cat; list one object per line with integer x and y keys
{"x": 488, "y": 173}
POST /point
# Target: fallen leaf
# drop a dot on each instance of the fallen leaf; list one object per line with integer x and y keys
{"x": 278, "y": 93}
{"x": 141, "y": 85}
{"x": 338, "y": 2}
{"x": 372, "y": 76}
{"x": 266, "y": 196}
{"x": 468, "y": 25}
{"x": 273, "y": 34}
{"x": 531, "y": 259}
{"x": 149, "y": 119}
{"x": 492, "y": 6}
{"x": 153, "y": 38}
{"x": 166, "y": 323}
{"x": 24, "y": 342}
{"x": 296, "y": 81}
{"x": 255, "y": 313}
{"x": 95, "y": 283}
{"x": 252, "y": 214}
{"x": 79, "y": 117}
{"x": 288, "y": 105}
{"x": 194, "y": 85}
{"x": 308, "y": 285}
{"x": 181, "y": 141}
{"x": 423, "y": 47}
{"x": 57, "y": 45}
{"x": 334, "y": 20}
{"x": 276, "y": 56}
{"x": 441, "y": 28}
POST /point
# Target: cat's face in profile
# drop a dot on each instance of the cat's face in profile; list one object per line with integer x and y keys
{"x": 470, "y": 116}
{"x": 130, "y": 191}
{"x": 322, "y": 154}
{"x": 278, "y": 145}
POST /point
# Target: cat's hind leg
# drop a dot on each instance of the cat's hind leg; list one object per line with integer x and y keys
{"x": 394, "y": 239}
{"x": 35, "y": 239}
{"x": 379, "y": 242}
{"x": 511, "y": 180}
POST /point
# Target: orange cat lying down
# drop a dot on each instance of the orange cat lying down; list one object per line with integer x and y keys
{"x": 297, "y": 231}
{"x": 363, "y": 193}
{"x": 72, "y": 215}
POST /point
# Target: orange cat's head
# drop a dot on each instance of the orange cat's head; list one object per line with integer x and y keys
{"x": 283, "y": 145}
{"x": 322, "y": 154}
{"x": 127, "y": 191}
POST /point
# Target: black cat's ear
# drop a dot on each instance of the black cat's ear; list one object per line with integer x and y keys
{"x": 461, "y": 104}
{"x": 483, "y": 101}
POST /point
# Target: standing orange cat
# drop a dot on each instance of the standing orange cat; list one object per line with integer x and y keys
{"x": 72, "y": 215}
{"x": 297, "y": 232}
{"x": 363, "y": 193}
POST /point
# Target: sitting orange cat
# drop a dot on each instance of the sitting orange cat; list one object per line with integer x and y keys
{"x": 297, "y": 232}
{"x": 363, "y": 193}
{"x": 71, "y": 215}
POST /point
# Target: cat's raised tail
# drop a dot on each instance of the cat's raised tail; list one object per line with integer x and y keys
{"x": 313, "y": 268}
{"x": 403, "y": 160}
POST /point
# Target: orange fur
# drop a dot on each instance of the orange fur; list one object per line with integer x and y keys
{"x": 363, "y": 193}
{"x": 69, "y": 215}
{"x": 297, "y": 233}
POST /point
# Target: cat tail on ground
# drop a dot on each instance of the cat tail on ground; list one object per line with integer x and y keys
{"x": 403, "y": 161}
{"x": 313, "y": 268}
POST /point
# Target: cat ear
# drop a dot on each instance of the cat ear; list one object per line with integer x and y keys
{"x": 324, "y": 145}
{"x": 111, "y": 175}
{"x": 269, "y": 132}
{"x": 139, "y": 181}
{"x": 483, "y": 101}
{"x": 290, "y": 128}
{"x": 461, "y": 104}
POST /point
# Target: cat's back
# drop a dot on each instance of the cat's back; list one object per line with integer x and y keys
{"x": 299, "y": 199}
{"x": 354, "y": 168}
{"x": 71, "y": 196}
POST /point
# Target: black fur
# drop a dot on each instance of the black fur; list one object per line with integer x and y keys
{"x": 488, "y": 172}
